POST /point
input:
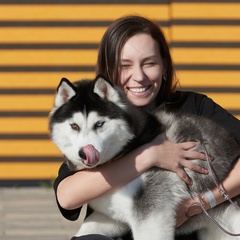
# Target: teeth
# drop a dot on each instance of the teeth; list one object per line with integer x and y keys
{"x": 137, "y": 90}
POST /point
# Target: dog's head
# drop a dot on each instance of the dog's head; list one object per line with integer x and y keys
{"x": 90, "y": 123}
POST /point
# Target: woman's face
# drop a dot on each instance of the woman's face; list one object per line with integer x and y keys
{"x": 141, "y": 69}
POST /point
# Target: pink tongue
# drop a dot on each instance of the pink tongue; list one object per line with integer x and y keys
{"x": 92, "y": 155}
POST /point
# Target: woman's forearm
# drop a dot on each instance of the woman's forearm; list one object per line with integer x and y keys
{"x": 85, "y": 185}
{"x": 231, "y": 185}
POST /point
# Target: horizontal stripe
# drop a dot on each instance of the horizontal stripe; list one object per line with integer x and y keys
{"x": 29, "y": 170}
{"x": 82, "y": 12}
{"x": 24, "y": 113}
{"x": 55, "y": 2}
{"x": 213, "y": 89}
{"x": 209, "y": 67}
{"x": 28, "y": 147}
{"x": 173, "y": 44}
{"x": 214, "y": 78}
{"x": 47, "y": 68}
{"x": 11, "y": 91}
{"x": 206, "y": 10}
{"x": 55, "y": 23}
{"x": 206, "y": 22}
{"x": 188, "y": 22}
{"x": 204, "y": 33}
{"x": 81, "y": 57}
{"x": 26, "y": 102}
{"x": 40, "y": 159}
{"x": 197, "y": 56}
{"x": 26, "y": 183}
{"x": 77, "y": 23}
{"x": 27, "y": 91}
{"x": 24, "y": 125}
{"x": 50, "y": 80}
{"x": 205, "y": 1}
{"x": 24, "y": 136}
{"x": 48, "y": 57}
{"x": 49, "y": 46}
{"x": 52, "y": 35}
{"x": 203, "y": 44}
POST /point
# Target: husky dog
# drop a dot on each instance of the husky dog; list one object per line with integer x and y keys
{"x": 92, "y": 123}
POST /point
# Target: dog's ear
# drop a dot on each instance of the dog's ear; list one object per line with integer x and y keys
{"x": 105, "y": 90}
{"x": 65, "y": 91}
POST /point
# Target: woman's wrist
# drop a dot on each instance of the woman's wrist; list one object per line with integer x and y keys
{"x": 206, "y": 201}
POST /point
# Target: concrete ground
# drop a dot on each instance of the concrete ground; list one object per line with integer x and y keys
{"x": 32, "y": 214}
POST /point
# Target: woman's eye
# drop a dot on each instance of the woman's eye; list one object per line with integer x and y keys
{"x": 125, "y": 66}
{"x": 149, "y": 63}
{"x": 75, "y": 127}
{"x": 99, "y": 124}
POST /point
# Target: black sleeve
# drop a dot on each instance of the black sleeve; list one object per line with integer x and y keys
{"x": 64, "y": 172}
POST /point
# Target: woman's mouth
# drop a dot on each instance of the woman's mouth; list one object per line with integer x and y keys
{"x": 138, "y": 89}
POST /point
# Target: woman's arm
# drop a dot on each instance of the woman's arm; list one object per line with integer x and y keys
{"x": 231, "y": 185}
{"x": 85, "y": 185}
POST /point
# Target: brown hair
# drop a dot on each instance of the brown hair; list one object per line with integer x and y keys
{"x": 115, "y": 37}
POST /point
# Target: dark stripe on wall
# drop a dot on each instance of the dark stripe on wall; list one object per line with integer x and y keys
{"x": 35, "y": 91}
{"x": 55, "y": 23}
{"x": 213, "y": 89}
{"x": 206, "y": 22}
{"x": 8, "y": 46}
{"x": 185, "y": 22}
{"x": 207, "y": 67}
{"x": 23, "y": 114}
{"x": 53, "y": 91}
{"x": 54, "y": 2}
{"x": 26, "y": 183}
{"x": 32, "y": 159}
{"x": 47, "y": 69}
{"x": 54, "y": 46}
{"x": 204, "y": 44}
{"x": 24, "y": 137}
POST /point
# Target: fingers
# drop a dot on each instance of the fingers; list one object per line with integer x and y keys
{"x": 194, "y": 167}
{"x": 191, "y": 155}
{"x": 183, "y": 175}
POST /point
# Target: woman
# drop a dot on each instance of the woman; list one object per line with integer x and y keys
{"x": 134, "y": 55}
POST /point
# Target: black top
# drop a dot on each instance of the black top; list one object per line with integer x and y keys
{"x": 189, "y": 102}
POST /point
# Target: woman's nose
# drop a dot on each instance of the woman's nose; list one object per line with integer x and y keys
{"x": 138, "y": 73}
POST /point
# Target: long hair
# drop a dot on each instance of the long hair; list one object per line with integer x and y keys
{"x": 113, "y": 41}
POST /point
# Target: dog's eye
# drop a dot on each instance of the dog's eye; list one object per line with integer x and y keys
{"x": 74, "y": 126}
{"x": 99, "y": 124}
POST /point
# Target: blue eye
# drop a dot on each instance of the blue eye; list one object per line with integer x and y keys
{"x": 99, "y": 124}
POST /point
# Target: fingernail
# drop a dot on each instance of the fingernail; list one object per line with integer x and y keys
{"x": 210, "y": 158}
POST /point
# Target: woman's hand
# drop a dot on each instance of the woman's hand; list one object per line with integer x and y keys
{"x": 176, "y": 157}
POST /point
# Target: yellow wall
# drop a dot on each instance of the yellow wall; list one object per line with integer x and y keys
{"x": 43, "y": 41}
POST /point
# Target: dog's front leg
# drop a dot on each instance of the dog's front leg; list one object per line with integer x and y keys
{"x": 98, "y": 223}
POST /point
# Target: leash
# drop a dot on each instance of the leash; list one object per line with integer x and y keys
{"x": 221, "y": 191}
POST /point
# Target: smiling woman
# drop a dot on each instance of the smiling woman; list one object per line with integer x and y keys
{"x": 142, "y": 69}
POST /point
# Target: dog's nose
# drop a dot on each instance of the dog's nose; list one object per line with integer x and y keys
{"x": 82, "y": 154}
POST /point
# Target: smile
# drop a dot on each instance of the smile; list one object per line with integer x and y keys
{"x": 139, "y": 90}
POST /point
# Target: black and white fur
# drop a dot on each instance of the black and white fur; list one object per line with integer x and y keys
{"x": 92, "y": 123}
